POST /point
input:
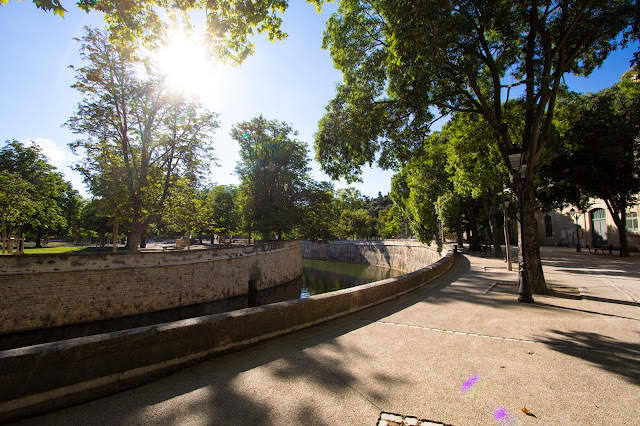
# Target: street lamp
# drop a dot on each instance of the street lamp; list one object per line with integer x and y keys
{"x": 516, "y": 160}
{"x": 575, "y": 215}
{"x": 505, "y": 206}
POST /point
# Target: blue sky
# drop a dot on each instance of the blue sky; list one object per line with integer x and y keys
{"x": 291, "y": 81}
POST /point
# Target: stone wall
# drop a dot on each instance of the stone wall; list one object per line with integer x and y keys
{"x": 402, "y": 255}
{"x": 51, "y": 376}
{"x": 39, "y": 291}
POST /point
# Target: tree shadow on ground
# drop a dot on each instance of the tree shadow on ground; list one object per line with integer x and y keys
{"x": 616, "y": 356}
{"x": 220, "y": 392}
{"x": 211, "y": 393}
{"x": 217, "y": 391}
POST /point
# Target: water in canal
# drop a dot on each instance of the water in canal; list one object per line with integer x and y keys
{"x": 322, "y": 276}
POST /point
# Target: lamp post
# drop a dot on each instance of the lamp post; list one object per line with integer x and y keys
{"x": 505, "y": 206}
{"x": 506, "y": 234}
{"x": 524, "y": 286}
{"x": 575, "y": 215}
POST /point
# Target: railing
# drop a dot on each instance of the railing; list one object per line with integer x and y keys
{"x": 7, "y": 244}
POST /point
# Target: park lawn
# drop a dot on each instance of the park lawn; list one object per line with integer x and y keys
{"x": 58, "y": 249}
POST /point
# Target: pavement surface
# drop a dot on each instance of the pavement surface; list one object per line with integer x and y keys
{"x": 461, "y": 351}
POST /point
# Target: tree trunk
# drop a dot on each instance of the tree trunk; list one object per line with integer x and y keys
{"x": 619, "y": 215}
{"x": 39, "y": 236}
{"x": 494, "y": 230}
{"x": 135, "y": 236}
{"x": 531, "y": 242}
{"x": 115, "y": 236}
{"x": 459, "y": 235}
{"x": 624, "y": 243}
{"x": 474, "y": 240}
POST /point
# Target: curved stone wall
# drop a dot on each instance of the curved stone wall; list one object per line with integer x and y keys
{"x": 402, "y": 255}
{"x": 39, "y": 291}
{"x": 54, "y": 375}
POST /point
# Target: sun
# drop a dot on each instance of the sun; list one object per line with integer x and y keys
{"x": 185, "y": 62}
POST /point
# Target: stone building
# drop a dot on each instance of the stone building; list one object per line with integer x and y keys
{"x": 596, "y": 225}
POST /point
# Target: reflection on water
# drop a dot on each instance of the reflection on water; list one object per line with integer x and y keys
{"x": 322, "y": 276}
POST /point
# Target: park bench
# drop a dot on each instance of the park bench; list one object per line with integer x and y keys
{"x": 486, "y": 248}
{"x": 601, "y": 247}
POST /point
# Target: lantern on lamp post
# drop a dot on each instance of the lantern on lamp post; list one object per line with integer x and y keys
{"x": 516, "y": 160}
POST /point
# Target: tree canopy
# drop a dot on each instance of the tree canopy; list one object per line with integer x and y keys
{"x": 139, "y": 139}
{"x": 36, "y": 196}
{"x": 401, "y": 59}
{"x": 229, "y": 23}
{"x": 599, "y": 151}
{"x": 273, "y": 169}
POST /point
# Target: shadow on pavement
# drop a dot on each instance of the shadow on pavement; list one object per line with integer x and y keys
{"x": 616, "y": 356}
{"x": 550, "y": 306}
{"x": 220, "y": 391}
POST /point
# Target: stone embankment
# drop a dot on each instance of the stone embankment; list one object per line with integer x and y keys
{"x": 42, "y": 291}
{"x": 50, "y": 376}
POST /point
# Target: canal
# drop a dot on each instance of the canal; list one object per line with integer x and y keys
{"x": 318, "y": 276}
{"x": 322, "y": 276}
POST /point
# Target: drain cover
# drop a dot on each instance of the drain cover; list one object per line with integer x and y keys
{"x": 391, "y": 419}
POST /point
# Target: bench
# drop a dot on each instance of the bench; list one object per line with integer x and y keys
{"x": 601, "y": 247}
{"x": 486, "y": 248}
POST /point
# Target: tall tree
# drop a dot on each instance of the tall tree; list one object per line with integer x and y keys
{"x": 47, "y": 193}
{"x": 600, "y": 156}
{"x": 16, "y": 205}
{"x": 320, "y": 215}
{"x": 476, "y": 167}
{"x": 139, "y": 139}
{"x": 401, "y": 58}
{"x": 221, "y": 211}
{"x": 416, "y": 188}
{"x": 273, "y": 168}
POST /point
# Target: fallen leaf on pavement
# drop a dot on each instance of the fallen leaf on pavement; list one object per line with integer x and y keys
{"x": 528, "y": 412}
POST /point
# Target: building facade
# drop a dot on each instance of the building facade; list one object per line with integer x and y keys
{"x": 595, "y": 226}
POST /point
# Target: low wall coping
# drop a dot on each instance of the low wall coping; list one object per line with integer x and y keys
{"x": 51, "y": 376}
{"x": 39, "y": 263}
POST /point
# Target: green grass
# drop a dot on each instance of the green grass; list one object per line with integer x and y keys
{"x": 50, "y": 249}
{"x": 58, "y": 249}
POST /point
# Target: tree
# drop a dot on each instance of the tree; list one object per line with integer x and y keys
{"x": 390, "y": 222}
{"x": 273, "y": 168}
{"x": 46, "y": 189}
{"x": 184, "y": 210}
{"x": 16, "y": 205}
{"x": 139, "y": 139}
{"x": 600, "y": 156}
{"x": 401, "y": 58}
{"x": 416, "y": 188}
{"x": 320, "y": 214}
{"x": 94, "y": 222}
{"x": 450, "y": 210}
{"x": 229, "y": 23}
{"x": 476, "y": 167}
{"x": 71, "y": 204}
{"x": 221, "y": 211}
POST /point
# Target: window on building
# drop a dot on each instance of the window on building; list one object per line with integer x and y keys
{"x": 548, "y": 227}
{"x": 632, "y": 222}
{"x": 599, "y": 226}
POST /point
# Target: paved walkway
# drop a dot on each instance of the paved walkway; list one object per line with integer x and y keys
{"x": 449, "y": 353}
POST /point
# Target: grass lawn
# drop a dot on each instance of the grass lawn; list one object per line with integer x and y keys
{"x": 58, "y": 249}
{"x": 68, "y": 249}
